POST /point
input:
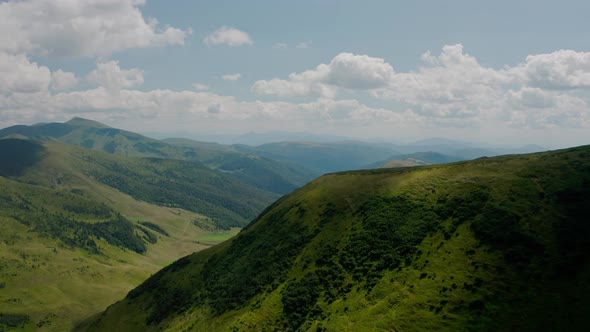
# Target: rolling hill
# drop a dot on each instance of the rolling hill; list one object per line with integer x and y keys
{"x": 263, "y": 173}
{"x": 494, "y": 244}
{"x": 79, "y": 228}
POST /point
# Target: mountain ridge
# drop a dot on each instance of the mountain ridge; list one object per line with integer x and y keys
{"x": 263, "y": 173}
{"x": 490, "y": 244}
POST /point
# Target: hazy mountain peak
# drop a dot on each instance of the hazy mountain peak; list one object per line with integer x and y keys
{"x": 77, "y": 121}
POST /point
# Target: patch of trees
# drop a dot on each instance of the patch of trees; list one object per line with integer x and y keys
{"x": 185, "y": 185}
{"x": 253, "y": 264}
{"x": 299, "y": 299}
{"x": 154, "y": 227}
{"x": 117, "y": 231}
{"x": 391, "y": 229}
{"x": 13, "y": 321}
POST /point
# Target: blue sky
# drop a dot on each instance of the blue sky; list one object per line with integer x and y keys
{"x": 495, "y": 71}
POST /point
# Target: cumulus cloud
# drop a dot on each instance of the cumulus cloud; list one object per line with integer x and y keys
{"x": 450, "y": 91}
{"x": 452, "y": 84}
{"x": 110, "y": 76}
{"x": 346, "y": 70}
{"x": 62, "y": 81}
{"x": 232, "y": 77}
{"x": 564, "y": 69}
{"x": 281, "y": 46}
{"x": 19, "y": 75}
{"x": 452, "y": 88}
{"x": 358, "y": 71}
{"x": 228, "y": 36}
{"x": 80, "y": 28}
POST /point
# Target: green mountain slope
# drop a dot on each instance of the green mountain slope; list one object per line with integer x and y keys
{"x": 80, "y": 228}
{"x": 495, "y": 244}
{"x": 263, "y": 173}
{"x": 164, "y": 182}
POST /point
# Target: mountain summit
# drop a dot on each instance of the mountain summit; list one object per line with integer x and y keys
{"x": 81, "y": 122}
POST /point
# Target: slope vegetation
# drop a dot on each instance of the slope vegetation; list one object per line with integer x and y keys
{"x": 262, "y": 173}
{"x": 80, "y": 228}
{"x": 494, "y": 244}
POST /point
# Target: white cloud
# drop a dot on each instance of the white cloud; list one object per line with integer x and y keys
{"x": 19, "y": 75}
{"x": 63, "y": 81}
{"x": 232, "y": 77}
{"x": 358, "y": 72}
{"x": 110, "y": 76}
{"x": 564, "y": 69}
{"x": 450, "y": 91}
{"x": 452, "y": 84}
{"x": 228, "y": 36}
{"x": 346, "y": 70}
{"x": 281, "y": 46}
{"x": 304, "y": 44}
{"x": 80, "y": 28}
{"x": 200, "y": 87}
{"x": 454, "y": 89}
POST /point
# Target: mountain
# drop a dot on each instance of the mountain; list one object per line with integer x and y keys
{"x": 414, "y": 159}
{"x": 254, "y": 138}
{"x": 494, "y": 244}
{"x": 260, "y": 172}
{"x": 323, "y": 157}
{"x": 465, "y": 150}
{"x": 164, "y": 182}
{"x": 79, "y": 228}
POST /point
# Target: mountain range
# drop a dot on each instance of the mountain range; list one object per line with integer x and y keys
{"x": 87, "y": 212}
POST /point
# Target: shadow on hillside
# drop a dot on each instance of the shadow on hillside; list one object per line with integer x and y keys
{"x": 16, "y": 155}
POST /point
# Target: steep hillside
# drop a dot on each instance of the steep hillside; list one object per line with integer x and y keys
{"x": 263, "y": 173}
{"x": 80, "y": 228}
{"x": 165, "y": 182}
{"x": 495, "y": 244}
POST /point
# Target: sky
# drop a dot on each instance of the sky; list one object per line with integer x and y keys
{"x": 506, "y": 72}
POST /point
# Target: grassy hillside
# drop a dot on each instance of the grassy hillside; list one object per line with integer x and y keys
{"x": 495, "y": 244}
{"x": 173, "y": 183}
{"x": 262, "y": 173}
{"x": 80, "y": 228}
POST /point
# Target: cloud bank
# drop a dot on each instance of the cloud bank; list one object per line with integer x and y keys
{"x": 60, "y": 28}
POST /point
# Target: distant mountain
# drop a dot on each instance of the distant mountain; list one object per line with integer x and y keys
{"x": 260, "y": 172}
{"x": 441, "y": 141}
{"x": 79, "y": 228}
{"x": 254, "y": 138}
{"x": 414, "y": 159}
{"x": 323, "y": 157}
{"x": 465, "y": 151}
{"x": 81, "y": 122}
{"x": 494, "y": 244}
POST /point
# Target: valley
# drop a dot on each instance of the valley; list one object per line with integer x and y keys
{"x": 82, "y": 225}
